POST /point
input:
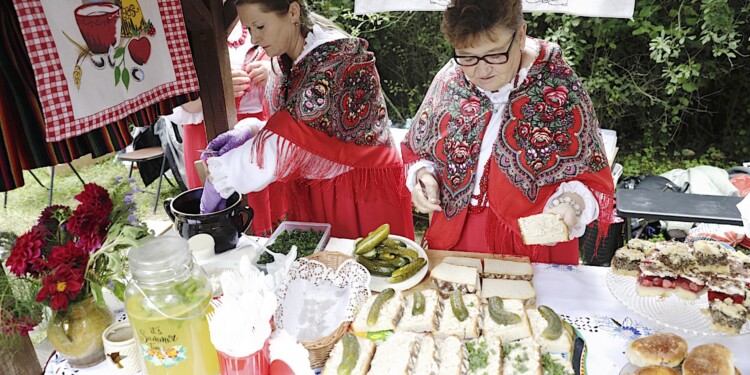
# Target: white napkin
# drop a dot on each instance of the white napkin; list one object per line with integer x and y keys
{"x": 744, "y": 207}
{"x": 284, "y": 347}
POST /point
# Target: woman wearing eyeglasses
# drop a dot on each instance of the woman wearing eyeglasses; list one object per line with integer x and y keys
{"x": 506, "y": 131}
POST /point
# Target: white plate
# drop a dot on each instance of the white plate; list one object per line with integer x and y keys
{"x": 214, "y": 268}
{"x": 378, "y": 283}
{"x": 671, "y": 312}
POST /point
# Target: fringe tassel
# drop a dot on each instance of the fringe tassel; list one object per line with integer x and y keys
{"x": 606, "y": 214}
{"x": 499, "y": 233}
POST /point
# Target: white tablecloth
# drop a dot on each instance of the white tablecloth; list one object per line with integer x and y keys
{"x": 578, "y": 293}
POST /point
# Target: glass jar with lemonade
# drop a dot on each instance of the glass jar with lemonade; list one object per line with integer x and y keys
{"x": 167, "y": 301}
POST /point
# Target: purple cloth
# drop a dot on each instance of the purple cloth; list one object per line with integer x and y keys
{"x": 211, "y": 201}
{"x": 227, "y": 141}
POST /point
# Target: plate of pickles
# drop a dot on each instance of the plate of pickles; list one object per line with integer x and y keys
{"x": 393, "y": 261}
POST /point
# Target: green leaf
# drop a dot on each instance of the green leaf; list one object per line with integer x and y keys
{"x": 97, "y": 290}
{"x": 119, "y": 52}
{"x": 119, "y": 290}
{"x": 126, "y": 78}
{"x": 117, "y": 75}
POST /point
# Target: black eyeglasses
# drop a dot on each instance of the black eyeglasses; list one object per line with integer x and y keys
{"x": 493, "y": 58}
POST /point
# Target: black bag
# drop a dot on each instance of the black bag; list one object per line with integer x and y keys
{"x": 652, "y": 182}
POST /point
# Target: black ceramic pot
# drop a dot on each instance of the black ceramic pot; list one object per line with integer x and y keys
{"x": 224, "y": 226}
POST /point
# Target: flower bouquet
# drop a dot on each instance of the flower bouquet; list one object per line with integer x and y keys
{"x": 64, "y": 262}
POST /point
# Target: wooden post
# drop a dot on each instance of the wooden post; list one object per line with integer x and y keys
{"x": 207, "y": 22}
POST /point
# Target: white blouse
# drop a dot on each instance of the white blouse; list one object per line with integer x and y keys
{"x": 237, "y": 170}
{"x": 499, "y": 100}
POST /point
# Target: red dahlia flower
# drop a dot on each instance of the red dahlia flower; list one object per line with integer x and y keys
{"x": 26, "y": 254}
{"x": 61, "y": 286}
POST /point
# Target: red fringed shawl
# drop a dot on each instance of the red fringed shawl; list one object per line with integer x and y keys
{"x": 549, "y": 134}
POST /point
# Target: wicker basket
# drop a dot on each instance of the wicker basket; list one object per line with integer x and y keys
{"x": 320, "y": 349}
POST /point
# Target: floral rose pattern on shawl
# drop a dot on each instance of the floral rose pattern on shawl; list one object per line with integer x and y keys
{"x": 460, "y": 126}
{"x": 355, "y": 114}
{"x": 549, "y": 134}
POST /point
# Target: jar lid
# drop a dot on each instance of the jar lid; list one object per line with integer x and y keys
{"x": 160, "y": 259}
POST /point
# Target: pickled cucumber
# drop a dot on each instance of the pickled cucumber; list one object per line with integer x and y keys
{"x": 554, "y": 324}
{"x": 419, "y": 302}
{"x": 376, "y": 268}
{"x": 350, "y": 356}
{"x": 407, "y": 271}
{"x": 373, "y": 239}
{"x": 380, "y": 300}
{"x": 499, "y": 315}
{"x": 457, "y": 305}
{"x": 402, "y": 252}
{"x": 394, "y": 243}
{"x": 370, "y": 254}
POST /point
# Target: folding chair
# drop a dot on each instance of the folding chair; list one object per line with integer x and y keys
{"x": 146, "y": 154}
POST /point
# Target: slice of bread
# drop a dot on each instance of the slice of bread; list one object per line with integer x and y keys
{"x": 448, "y": 277}
{"x": 508, "y": 269}
{"x": 543, "y": 229}
{"x": 563, "y": 345}
{"x": 451, "y": 326}
{"x": 509, "y": 289}
{"x": 390, "y": 313}
{"x": 484, "y": 347}
{"x": 451, "y": 356}
{"x": 465, "y": 261}
{"x": 366, "y": 349}
{"x": 427, "y": 361}
{"x": 507, "y": 332}
{"x": 522, "y": 357}
{"x": 663, "y": 349}
{"x": 427, "y": 321}
{"x": 394, "y": 356}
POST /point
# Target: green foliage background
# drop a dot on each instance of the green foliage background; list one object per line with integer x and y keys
{"x": 673, "y": 81}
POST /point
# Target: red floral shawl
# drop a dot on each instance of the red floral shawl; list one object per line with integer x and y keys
{"x": 548, "y": 135}
{"x": 331, "y": 117}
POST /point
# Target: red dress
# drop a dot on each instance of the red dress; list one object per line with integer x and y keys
{"x": 548, "y": 135}
{"x": 337, "y": 162}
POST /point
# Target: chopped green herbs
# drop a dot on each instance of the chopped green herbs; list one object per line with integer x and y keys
{"x": 478, "y": 355}
{"x": 551, "y": 367}
{"x": 305, "y": 240}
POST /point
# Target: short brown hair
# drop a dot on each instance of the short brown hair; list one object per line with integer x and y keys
{"x": 467, "y": 21}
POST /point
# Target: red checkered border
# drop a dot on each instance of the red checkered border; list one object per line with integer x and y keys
{"x": 53, "y": 87}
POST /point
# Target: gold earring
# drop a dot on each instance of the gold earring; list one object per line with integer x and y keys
{"x": 296, "y": 23}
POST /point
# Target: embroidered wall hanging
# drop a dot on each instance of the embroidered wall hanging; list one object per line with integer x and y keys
{"x": 97, "y": 61}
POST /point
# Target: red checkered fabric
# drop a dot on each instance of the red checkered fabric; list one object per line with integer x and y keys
{"x": 53, "y": 86}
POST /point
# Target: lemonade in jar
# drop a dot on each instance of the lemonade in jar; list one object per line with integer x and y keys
{"x": 166, "y": 302}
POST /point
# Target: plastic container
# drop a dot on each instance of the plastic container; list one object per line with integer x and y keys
{"x": 254, "y": 364}
{"x": 167, "y": 301}
{"x": 292, "y": 225}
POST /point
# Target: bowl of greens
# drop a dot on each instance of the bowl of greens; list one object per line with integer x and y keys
{"x": 309, "y": 238}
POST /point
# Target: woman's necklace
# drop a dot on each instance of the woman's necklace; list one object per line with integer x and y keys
{"x": 239, "y": 42}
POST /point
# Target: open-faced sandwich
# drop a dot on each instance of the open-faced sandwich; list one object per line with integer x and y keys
{"x": 427, "y": 358}
{"x": 549, "y": 332}
{"x": 350, "y": 355}
{"x": 484, "y": 356}
{"x": 555, "y": 364}
{"x": 522, "y": 290}
{"x": 460, "y": 316}
{"x": 451, "y": 356}
{"x": 421, "y": 312}
{"x": 522, "y": 357}
{"x": 397, "y": 355}
{"x": 380, "y": 312}
{"x": 505, "y": 319}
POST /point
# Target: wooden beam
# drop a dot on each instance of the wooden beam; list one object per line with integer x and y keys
{"x": 230, "y": 16}
{"x": 205, "y": 23}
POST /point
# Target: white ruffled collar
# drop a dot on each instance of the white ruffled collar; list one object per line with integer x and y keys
{"x": 316, "y": 37}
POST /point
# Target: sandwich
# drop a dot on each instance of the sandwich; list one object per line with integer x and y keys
{"x": 422, "y": 316}
{"x": 448, "y": 277}
{"x": 676, "y": 256}
{"x": 464, "y": 261}
{"x": 689, "y": 286}
{"x": 509, "y": 289}
{"x": 661, "y": 349}
{"x": 460, "y": 316}
{"x": 451, "y": 356}
{"x": 646, "y": 247}
{"x": 365, "y": 348}
{"x": 714, "y": 359}
{"x": 710, "y": 257}
{"x": 626, "y": 261}
{"x": 555, "y": 364}
{"x": 726, "y": 304}
{"x": 383, "y": 317}
{"x": 484, "y": 356}
{"x": 506, "y": 329}
{"x": 397, "y": 355}
{"x": 521, "y": 357}
{"x": 543, "y": 229}
{"x": 656, "y": 370}
{"x": 554, "y": 340}
{"x": 427, "y": 363}
{"x": 655, "y": 279}
{"x": 509, "y": 269}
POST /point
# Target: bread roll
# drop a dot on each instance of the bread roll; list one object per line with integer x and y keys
{"x": 664, "y": 349}
{"x": 714, "y": 359}
{"x": 656, "y": 370}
